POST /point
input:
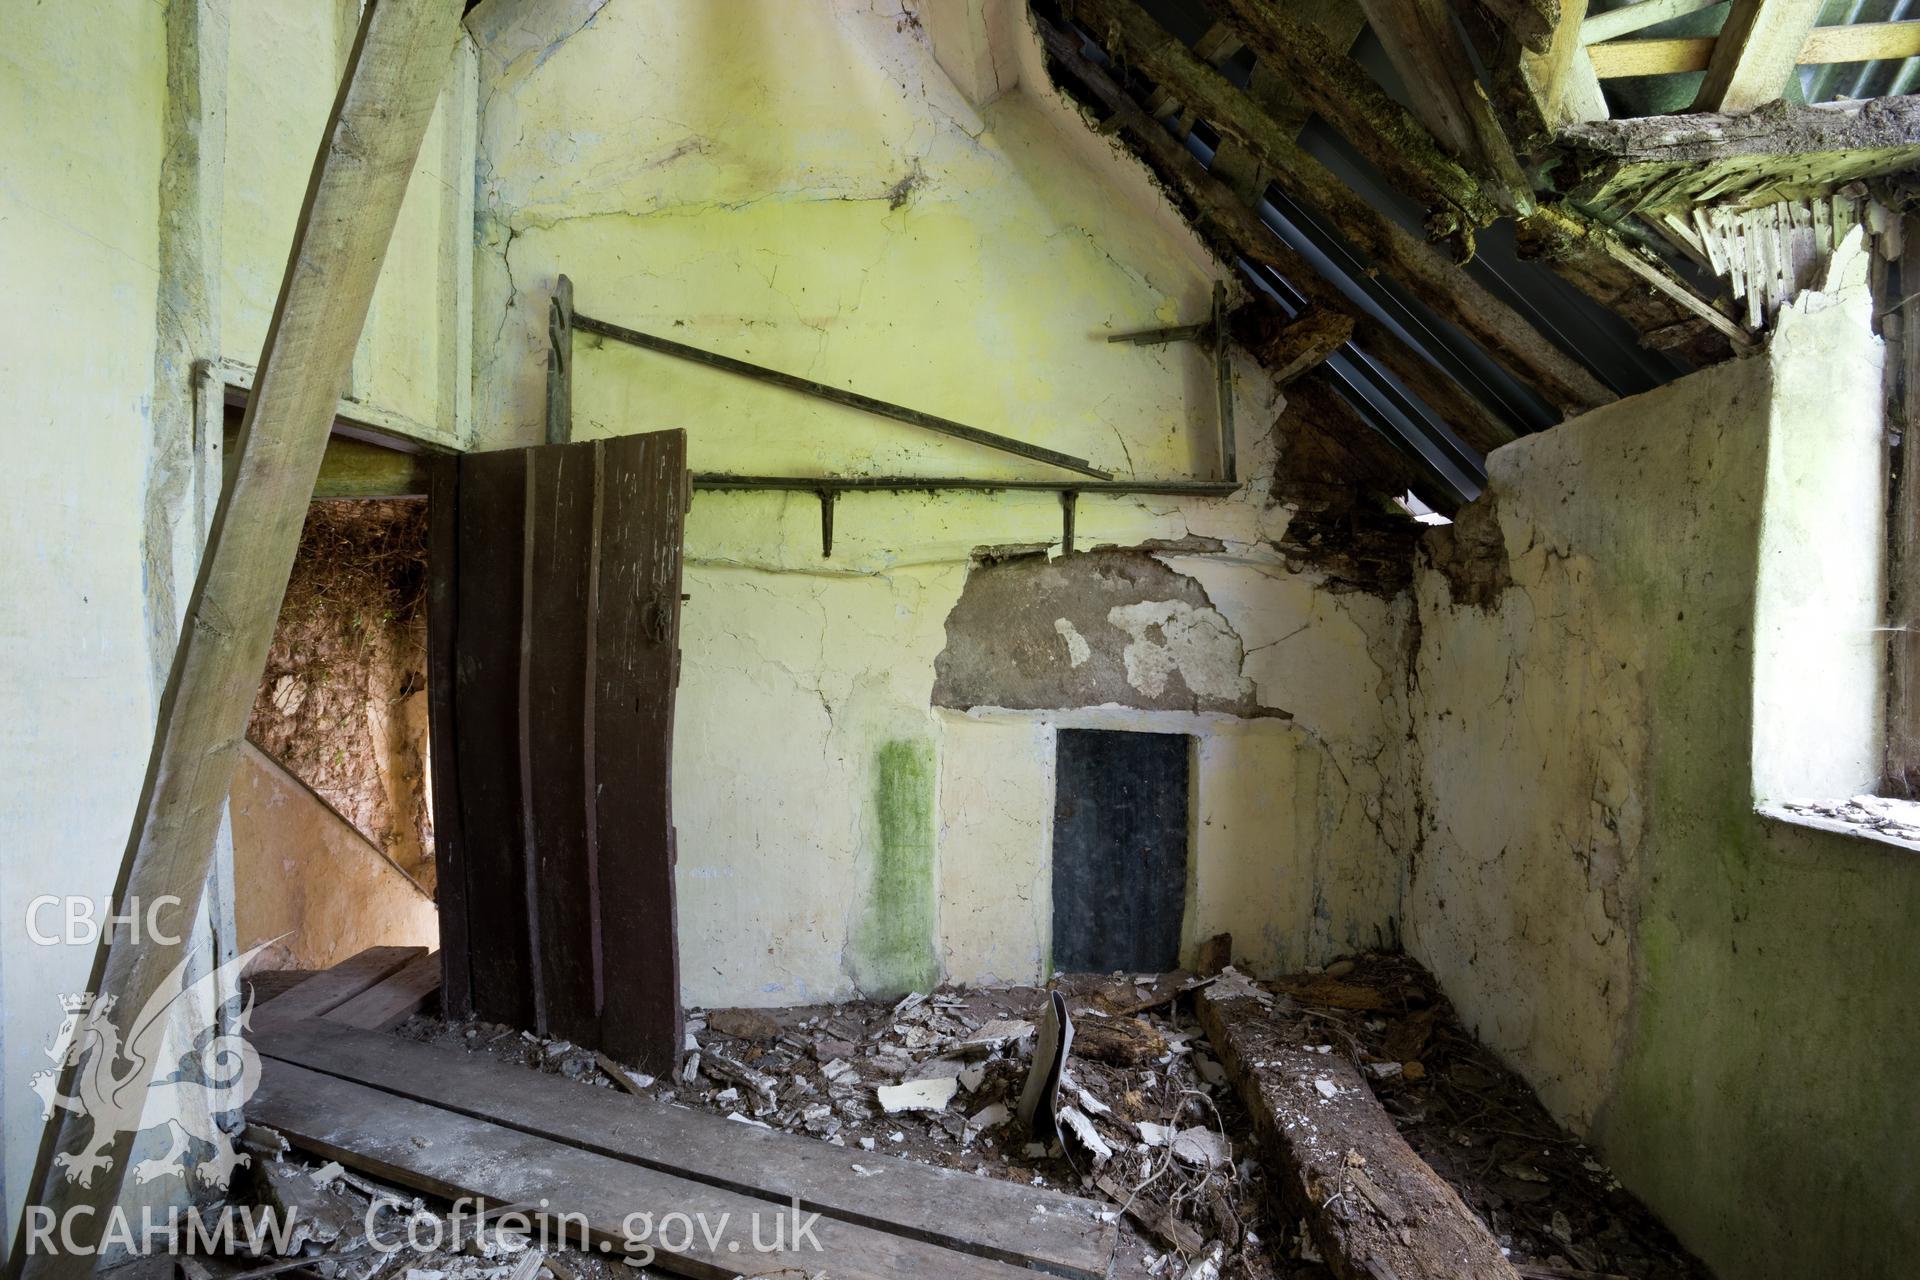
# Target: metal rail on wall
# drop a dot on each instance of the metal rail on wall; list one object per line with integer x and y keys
{"x": 563, "y": 322}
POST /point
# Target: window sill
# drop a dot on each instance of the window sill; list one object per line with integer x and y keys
{"x": 1895, "y": 823}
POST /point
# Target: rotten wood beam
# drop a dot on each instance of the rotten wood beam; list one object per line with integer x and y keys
{"x": 1660, "y": 278}
{"x": 1431, "y": 57}
{"x": 1373, "y": 1206}
{"x": 1530, "y": 22}
{"x": 1133, "y": 37}
{"x": 1561, "y": 84}
{"x": 369, "y": 146}
{"x": 1780, "y": 150}
{"x": 1334, "y": 86}
{"x": 1237, "y": 232}
{"x": 1299, "y": 347}
{"x": 1754, "y": 53}
{"x": 1217, "y": 45}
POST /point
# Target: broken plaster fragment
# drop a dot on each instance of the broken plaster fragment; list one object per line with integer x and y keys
{"x": 918, "y": 1095}
{"x": 1155, "y": 1135}
{"x": 1075, "y": 1121}
{"x": 1202, "y": 1148}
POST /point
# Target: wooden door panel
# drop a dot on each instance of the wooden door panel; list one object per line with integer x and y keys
{"x": 644, "y": 501}
{"x": 489, "y": 587}
{"x": 560, "y": 625}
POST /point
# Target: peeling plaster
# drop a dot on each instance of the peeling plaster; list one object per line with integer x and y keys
{"x": 1171, "y": 637}
{"x": 1078, "y": 651}
{"x": 745, "y": 203}
{"x": 1146, "y": 637}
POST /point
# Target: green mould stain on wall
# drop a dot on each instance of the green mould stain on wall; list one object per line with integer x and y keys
{"x": 893, "y": 946}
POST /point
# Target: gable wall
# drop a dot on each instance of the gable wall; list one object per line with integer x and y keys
{"x": 804, "y": 187}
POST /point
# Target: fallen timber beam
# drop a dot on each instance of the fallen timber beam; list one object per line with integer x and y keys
{"x": 836, "y": 395}
{"x": 367, "y": 152}
{"x": 1236, "y": 231}
{"x": 1296, "y": 349}
{"x": 1333, "y": 85}
{"x": 1134, "y": 37}
{"x": 1373, "y": 1206}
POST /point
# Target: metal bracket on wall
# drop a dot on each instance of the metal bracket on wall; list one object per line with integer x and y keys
{"x": 1213, "y": 334}
{"x": 829, "y": 488}
{"x": 821, "y": 391}
{"x": 560, "y": 363}
{"x": 563, "y": 322}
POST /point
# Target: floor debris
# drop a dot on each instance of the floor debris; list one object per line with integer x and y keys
{"x": 1457, "y": 1107}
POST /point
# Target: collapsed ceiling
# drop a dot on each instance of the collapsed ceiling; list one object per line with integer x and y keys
{"x": 1459, "y": 225}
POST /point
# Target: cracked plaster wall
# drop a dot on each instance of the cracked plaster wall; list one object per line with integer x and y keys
{"x": 1720, "y": 999}
{"x": 159, "y": 155}
{"x": 802, "y": 186}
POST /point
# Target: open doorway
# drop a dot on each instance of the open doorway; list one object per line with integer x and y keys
{"x": 331, "y": 804}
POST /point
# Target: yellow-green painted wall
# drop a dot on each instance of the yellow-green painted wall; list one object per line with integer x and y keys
{"x": 802, "y": 186}
{"x": 1719, "y": 996}
{"x": 81, "y": 94}
{"x": 157, "y": 155}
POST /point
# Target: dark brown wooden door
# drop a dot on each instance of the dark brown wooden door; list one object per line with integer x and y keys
{"x": 554, "y": 619}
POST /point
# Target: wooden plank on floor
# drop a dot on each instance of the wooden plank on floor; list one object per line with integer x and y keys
{"x": 393, "y": 999}
{"x": 447, "y": 1154}
{"x": 327, "y": 991}
{"x": 990, "y": 1217}
{"x": 1373, "y": 1206}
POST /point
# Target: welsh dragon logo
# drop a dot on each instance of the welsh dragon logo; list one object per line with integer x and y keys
{"x": 188, "y": 1083}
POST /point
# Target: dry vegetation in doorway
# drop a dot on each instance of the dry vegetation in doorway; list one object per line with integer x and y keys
{"x": 343, "y": 704}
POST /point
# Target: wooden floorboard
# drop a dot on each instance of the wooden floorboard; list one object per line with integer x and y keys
{"x": 985, "y": 1216}
{"x": 443, "y": 1153}
{"x": 326, "y": 991}
{"x": 395, "y": 998}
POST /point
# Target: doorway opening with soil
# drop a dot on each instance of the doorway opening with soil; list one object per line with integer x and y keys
{"x": 331, "y": 804}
